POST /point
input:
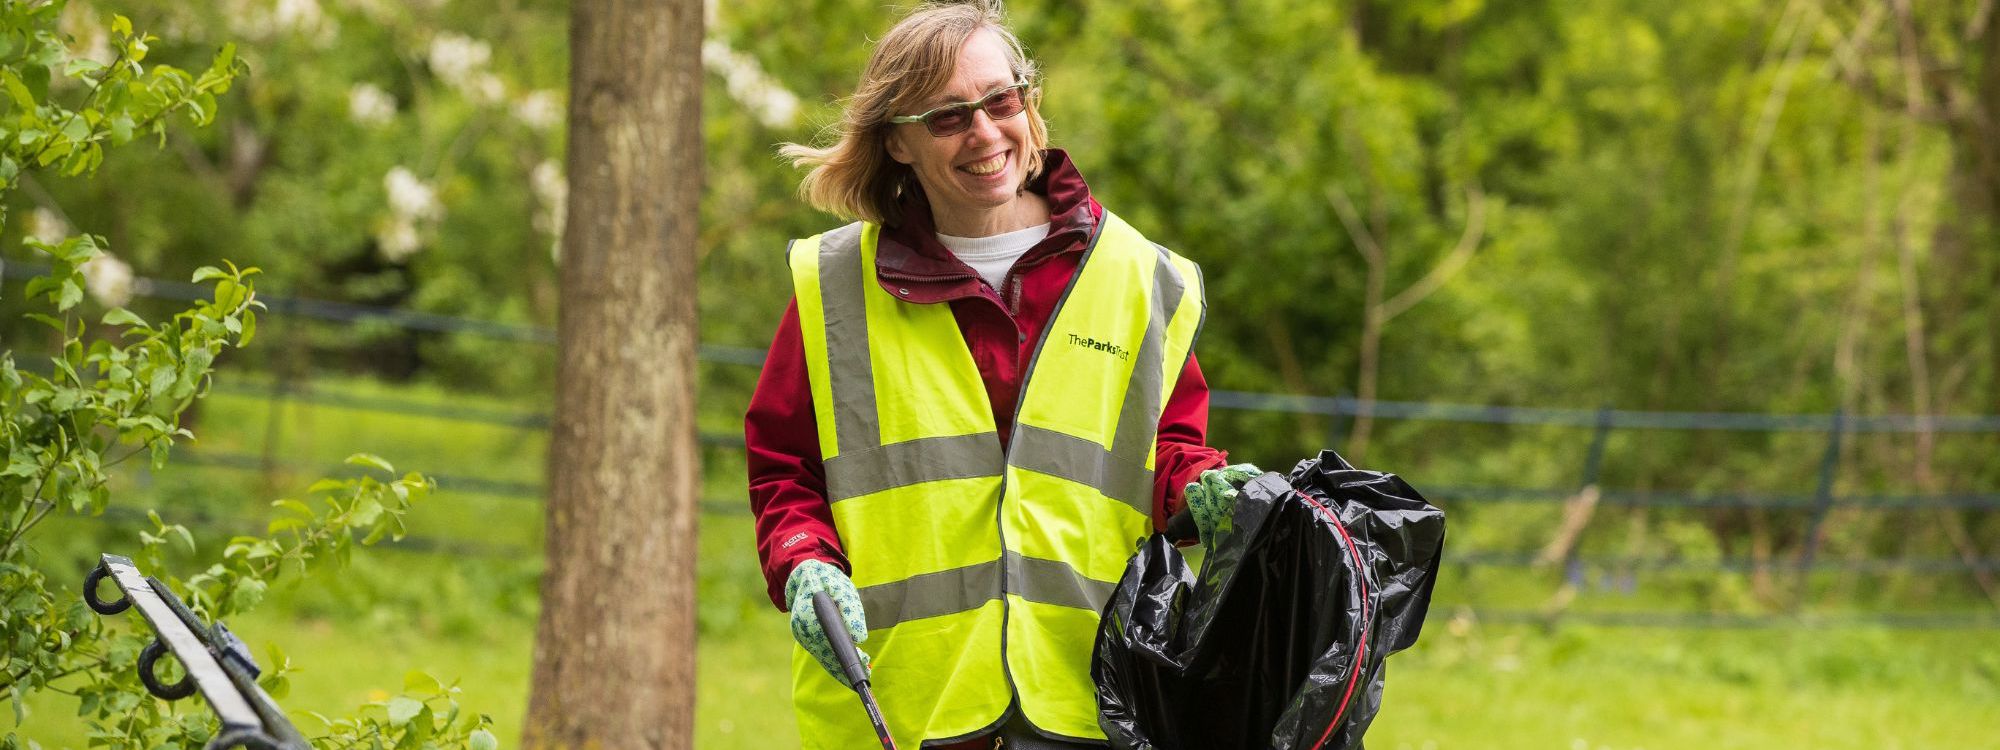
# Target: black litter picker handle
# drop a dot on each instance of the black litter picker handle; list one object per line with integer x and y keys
{"x": 850, "y": 662}
{"x": 215, "y": 661}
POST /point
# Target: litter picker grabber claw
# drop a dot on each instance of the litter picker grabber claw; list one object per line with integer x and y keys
{"x": 850, "y": 662}
{"x": 214, "y": 661}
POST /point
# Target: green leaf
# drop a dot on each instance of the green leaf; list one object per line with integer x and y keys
{"x": 205, "y": 273}
{"x": 42, "y": 285}
{"x": 365, "y": 512}
{"x": 21, "y": 465}
{"x": 277, "y": 686}
{"x": 249, "y": 592}
{"x": 420, "y": 682}
{"x": 122, "y": 317}
{"x": 17, "y": 90}
{"x": 402, "y": 710}
{"x": 121, "y": 25}
{"x": 36, "y": 78}
{"x": 82, "y": 66}
{"x": 323, "y": 485}
{"x": 50, "y": 321}
{"x": 481, "y": 739}
{"x": 76, "y": 129}
{"x": 180, "y": 532}
{"x": 372, "y": 461}
{"x": 71, "y": 294}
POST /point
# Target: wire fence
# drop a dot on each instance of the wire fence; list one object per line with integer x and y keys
{"x": 1817, "y": 504}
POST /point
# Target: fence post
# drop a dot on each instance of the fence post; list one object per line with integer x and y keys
{"x": 1822, "y": 498}
{"x": 1593, "y": 466}
{"x": 1594, "y": 463}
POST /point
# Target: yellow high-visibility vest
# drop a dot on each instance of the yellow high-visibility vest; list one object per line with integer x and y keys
{"x": 983, "y": 571}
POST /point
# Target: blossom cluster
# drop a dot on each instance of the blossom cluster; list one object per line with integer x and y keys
{"x": 413, "y": 204}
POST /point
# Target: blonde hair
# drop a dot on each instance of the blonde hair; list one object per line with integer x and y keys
{"x": 855, "y": 178}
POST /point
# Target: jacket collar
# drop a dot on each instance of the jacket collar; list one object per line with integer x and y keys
{"x": 910, "y": 250}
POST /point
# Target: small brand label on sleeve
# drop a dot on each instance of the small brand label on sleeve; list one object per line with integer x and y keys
{"x": 793, "y": 539}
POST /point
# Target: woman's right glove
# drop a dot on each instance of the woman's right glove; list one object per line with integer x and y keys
{"x": 814, "y": 576}
{"x": 1212, "y": 499}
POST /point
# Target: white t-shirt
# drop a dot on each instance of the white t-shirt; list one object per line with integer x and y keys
{"x": 993, "y": 256}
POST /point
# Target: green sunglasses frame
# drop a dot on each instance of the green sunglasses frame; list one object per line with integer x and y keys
{"x": 1026, "y": 88}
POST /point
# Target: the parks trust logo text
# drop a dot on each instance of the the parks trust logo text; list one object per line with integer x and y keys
{"x": 1102, "y": 346}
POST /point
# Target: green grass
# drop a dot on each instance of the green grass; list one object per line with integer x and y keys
{"x": 470, "y": 615}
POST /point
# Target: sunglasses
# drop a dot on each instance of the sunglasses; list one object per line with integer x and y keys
{"x": 952, "y": 119}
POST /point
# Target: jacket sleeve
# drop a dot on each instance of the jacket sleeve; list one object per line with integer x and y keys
{"x": 787, "y": 479}
{"x": 1182, "y": 453}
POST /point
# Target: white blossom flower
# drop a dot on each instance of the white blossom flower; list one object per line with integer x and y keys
{"x": 456, "y": 58}
{"x": 398, "y": 239}
{"x": 539, "y": 110}
{"x": 264, "y": 20}
{"x": 108, "y": 279}
{"x": 368, "y": 104}
{"x": 411, "y": 198}
{"x": 412, "y": 203}
{"x": 298, "y": 15}
{"x": 375, "y": 10}
{"x": 486, "y": 88}
{"x": 749, "y": 85}
{"x": 47, "y": 226}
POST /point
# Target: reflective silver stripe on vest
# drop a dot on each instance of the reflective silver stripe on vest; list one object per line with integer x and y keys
{"x": 948, "y": 592}
{"x": 1122, "y": 478}
{"x": 864, "y": 465}
{"x": 844, "y": 304}
{"x": 1139, "y": 416}
{"x": 854, "y": 473}
{"x": 1055, "y": 582}
{"x": 936, "y": 594}
{"x": 1119, "y": 473}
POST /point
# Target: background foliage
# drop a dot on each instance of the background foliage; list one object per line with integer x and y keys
{"x": 1722, "y": 206}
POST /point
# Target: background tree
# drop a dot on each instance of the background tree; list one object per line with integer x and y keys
{"x": 614, "y": 654}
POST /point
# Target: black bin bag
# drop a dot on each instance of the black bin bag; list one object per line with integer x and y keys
{"x": 1279, "y": 642}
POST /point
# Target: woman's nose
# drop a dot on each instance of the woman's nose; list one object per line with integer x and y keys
{"x": 983, "y": 127}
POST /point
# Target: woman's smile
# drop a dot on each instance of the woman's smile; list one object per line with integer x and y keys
{"x": 989, "y": 166}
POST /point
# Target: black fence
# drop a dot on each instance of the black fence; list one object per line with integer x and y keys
{"x": 1580, "y": 569}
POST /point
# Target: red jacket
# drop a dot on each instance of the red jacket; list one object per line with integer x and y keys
{"x": 787, "y": 481}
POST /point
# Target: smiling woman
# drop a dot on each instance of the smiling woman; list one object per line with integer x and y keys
{"x": 939, "y": 442}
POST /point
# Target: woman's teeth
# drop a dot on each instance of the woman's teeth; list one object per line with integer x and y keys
{"x": 989, "y": 166}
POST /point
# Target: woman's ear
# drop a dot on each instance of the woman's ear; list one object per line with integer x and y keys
{"x": 894, "y": 145}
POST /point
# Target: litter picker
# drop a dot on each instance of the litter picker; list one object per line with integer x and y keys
{"x": 215, "y": 661}
{"x": 850, "y": 662}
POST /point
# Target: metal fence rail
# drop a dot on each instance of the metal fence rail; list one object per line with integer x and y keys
{"x": 1602, "y": 422}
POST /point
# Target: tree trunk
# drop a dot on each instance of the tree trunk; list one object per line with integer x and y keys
{"x": 615, "y": 648}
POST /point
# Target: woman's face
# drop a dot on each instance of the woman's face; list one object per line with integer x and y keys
{"x": 972, "y": 178}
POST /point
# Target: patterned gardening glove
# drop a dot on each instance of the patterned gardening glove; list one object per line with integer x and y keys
{"x": 812, "y": 576}
{"x": 1212, "y": 499}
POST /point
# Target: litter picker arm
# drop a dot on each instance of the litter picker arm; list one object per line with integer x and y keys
{"x": 217, "y": 663}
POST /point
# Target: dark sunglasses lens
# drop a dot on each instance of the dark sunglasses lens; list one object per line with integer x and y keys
{"x": 1005, "y": 104}
{"x": 949, "y": 121}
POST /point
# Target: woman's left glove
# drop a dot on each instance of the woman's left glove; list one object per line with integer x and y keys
{"x": 813, "y": 576}
{"x": 1212, "y": 499}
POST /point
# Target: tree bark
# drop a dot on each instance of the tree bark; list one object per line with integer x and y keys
{"x": 615, "y": 648}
